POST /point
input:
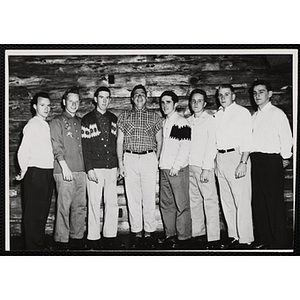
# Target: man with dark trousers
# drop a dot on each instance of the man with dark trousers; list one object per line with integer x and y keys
{"x": 272, "y": 144}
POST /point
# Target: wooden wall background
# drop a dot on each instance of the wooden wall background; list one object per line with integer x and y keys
{"x": 180, "y": 73}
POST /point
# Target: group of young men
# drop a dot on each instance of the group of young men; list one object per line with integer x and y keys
{"x": 247, "y": 155}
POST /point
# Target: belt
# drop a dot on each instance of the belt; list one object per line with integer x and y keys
{"x": 139, "y": 153}
{"x": 226, "y": 150}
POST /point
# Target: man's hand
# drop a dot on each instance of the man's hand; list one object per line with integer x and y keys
{"x": 67, "y": 173}
{"x": 204, "y": 176}
{"x": 92, "y": 176}
{"x": 240, "y": 171}
{"x": 122, "y": 170}
{"x": 285, "y": 163}
{"x": 20, "y": 176}
{"x": 174, "y": 172}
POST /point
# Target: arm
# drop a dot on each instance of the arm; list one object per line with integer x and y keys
{"x": 59, "y": 150}
{"x": 158, "y": 137}
{"x": 241, "y": 169}
{"x": 29, "y": 135}
{"x": 183, "y": 149}
{"x": 120, "y": 141}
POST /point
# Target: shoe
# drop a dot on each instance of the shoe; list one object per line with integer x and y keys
{"x": 168, "y": 243}
{"x": 183, "y": 244}
{"x": 262, "y": 246}
{"x": 77, "y": 244}
{"x": 137, "y": 243}
{"x": 149, "y": 242}
{"x": 199, "y": 239}
{"x": 231, "y": 244}
{"x": 94, "y": 245}
{"x": 213, "y": 245}
{"x": 62, "y": 246}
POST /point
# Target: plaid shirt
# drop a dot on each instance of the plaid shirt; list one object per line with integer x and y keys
{"x": 139, "y": 128}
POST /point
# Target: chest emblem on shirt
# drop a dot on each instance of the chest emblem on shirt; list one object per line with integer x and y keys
{"x": 68, "y": 128}
{"x": 181, "y": 132}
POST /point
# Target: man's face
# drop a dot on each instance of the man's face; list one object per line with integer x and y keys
{"x": 139, "y": 98}
{"x": 226, "y": 97}
{"x": 42, "y": 107}
{"x": 72, "y": 103}
{"x": 167, "y": 105}
{"x": 197, "y": 103}
{"x": 261, "y": 95}
{"x": 102, "y": 100}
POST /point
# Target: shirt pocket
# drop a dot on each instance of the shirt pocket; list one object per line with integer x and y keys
{"x": 128, "y": 129}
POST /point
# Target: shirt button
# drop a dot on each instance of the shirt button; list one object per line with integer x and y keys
{"x": 104, "y": 145}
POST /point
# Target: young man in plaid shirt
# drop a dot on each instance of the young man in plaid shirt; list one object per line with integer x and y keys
{"x": 138, "y": 148}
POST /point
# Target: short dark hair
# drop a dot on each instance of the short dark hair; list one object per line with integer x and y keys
{"x": 261, "y": 82}
{"x": 171, "y": 94}
{"x": 198, "y": 91}
{"x": 102, "y": 89}
{"x": 225, "y": 86}
{"x": 37, "y": 95}
{"x": 34, "y": 101}
{"x": 72, "y": 90}
{"x": 139, "y": 86}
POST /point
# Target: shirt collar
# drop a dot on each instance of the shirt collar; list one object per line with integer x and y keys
{"x": 139, "y": 110}
{"x": 266, "y": 108}
{"x": 67, "y": 115}
{"x": 173, "y": 115}
{"x": 228, "y": 108}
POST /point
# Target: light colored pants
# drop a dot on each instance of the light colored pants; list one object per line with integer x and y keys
{"x": 71, "y": 207}
{"x": 140, "y": 184}
{"x": 107, "y": 185}
{"x": 235, "y": 196}
{"x": 204, "y": 205}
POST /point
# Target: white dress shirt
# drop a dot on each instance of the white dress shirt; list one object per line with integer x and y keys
{"x": 271, "y": 131}
{"x": 234, "y": 128}
{"x": 36, "y": 148}
{"x": 203, "y": 141}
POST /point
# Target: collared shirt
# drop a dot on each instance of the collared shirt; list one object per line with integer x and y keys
{"x": 99, "y": 136}
{"x": 203, "y": 141}
{"x": 36, "y": 149}
{"x": 234, "y": 128}
{"x": 176, "y": 142}
{"x": 271, "y": 131}
{"x": 66, "y": 142}
{"x": 139, "y": 128}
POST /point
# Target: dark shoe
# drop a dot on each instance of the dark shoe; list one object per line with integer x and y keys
{"x": 183, "y": 244}
{"x": 199, "y": 239}
{"x": 62, "y": 246}
{"x": 149, "y": 242}
{"x": 137, "y": 243}
{"x": 77, "y": 244}
{"x": 262, "y": 246}
{"x": 213, "y": 245}
{"x": 94, "y": 245}
{"x": 230, "y": 244}
{"x": 168, "y": 243}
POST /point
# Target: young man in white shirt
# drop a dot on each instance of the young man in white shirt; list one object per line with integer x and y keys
{"x": 272, "y": 144}
{"x": 203, "y": 192}
{"x": 234, "y": 143}
{"x": 174, "y": 172}
{"x": 36, "y": 160}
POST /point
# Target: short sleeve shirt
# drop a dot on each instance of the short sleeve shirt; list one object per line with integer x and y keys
{"x": 139, "y": 128}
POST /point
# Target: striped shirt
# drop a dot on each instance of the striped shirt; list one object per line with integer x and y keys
{"x": 139, "y": 128}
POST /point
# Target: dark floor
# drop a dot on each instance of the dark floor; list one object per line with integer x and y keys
{"x": 124, "y": 241}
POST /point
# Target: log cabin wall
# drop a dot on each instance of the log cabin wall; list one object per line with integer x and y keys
{"x": 180, "y": 73}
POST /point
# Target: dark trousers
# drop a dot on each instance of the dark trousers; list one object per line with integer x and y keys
{"x": 269, "y": 212}
{"x": 38, "y": 189}
{"x": 175, "y": 204}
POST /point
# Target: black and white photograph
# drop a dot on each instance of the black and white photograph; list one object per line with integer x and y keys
{"x": 151, "y": 150}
